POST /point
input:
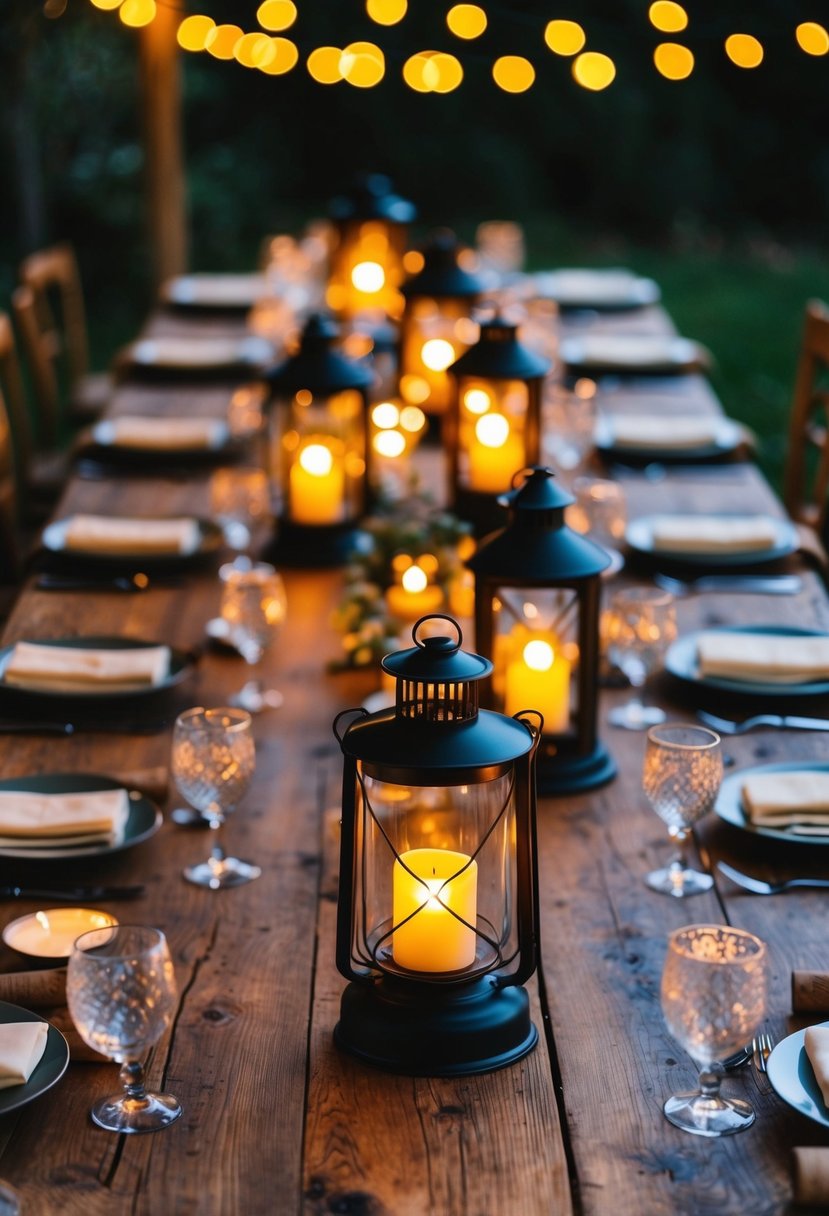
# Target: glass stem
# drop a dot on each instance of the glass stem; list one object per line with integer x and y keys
{"x": 132, "y": 1075}
{"x": 681, "y": 837}
{"x": 217, "y": 853}
{"x": 710, "y": 1079}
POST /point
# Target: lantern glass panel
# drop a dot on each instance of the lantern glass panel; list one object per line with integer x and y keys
{"x": 435, "y": 333}
{"x": 368, "y": 268}
{"x": 323, "y": 458}
{"x": 492, "y": 432}
{"x": 536, "y": 653}
{"x": 436, "y": 889}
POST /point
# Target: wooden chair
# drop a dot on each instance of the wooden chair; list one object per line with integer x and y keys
{"x": 10, "y": 553}
{"x": 54, "y": 336}
{"x": 40, "y": 472}
{"x": 806, "y": 472}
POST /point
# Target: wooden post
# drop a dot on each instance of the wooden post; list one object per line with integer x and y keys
{"x": 164, "y": 168}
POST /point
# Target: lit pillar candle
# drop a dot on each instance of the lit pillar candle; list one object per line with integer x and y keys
{"x": 434, "y": 939}
{"x": 414, "y": 596}
{"x": 539, "y": 678}
{"x": 317, "y": 485}
{"x": 496, "y": 452}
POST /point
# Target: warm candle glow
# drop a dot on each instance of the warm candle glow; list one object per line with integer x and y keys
{"x": 414, "y": 596}
{"x": 414, "y": 579}
{"x": 368, "y": 277}
{"x": 438, "y": 354}
{"x": 317, "y": 486}
{"x": 495, "y": 452}
{"x": 432, "y": 889}
{"x": 385, "y": 415}
{"x": 538, "y": 677}
{"x": 390, "y": 444}
{"x": 477, "y": 400}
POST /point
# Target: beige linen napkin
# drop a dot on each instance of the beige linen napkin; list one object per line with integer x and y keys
{"x": 791, "y": 798}
{"x": 29, "y": 819}
{"x": 21, "y": 1046}
{"x": 765, "y": 658}
{"x": 816, "y": 1042}
{"x": 78, "y": 669}
{"x": 216, "y": 290}
{"x": 105, "y": 534}
{"x": 663, "y": 432}
{"x": 165, "y": 434}
{"x": 712, "y": 533}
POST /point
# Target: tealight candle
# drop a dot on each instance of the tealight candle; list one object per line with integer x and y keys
{"x": 51, "y": 933}
{"x": 414, "y": 596}
{"x": 538, "y": 677}
{"x": 495, "y": 453}
{"x": 317, "y": 485}
{"x": 432, "y": 889}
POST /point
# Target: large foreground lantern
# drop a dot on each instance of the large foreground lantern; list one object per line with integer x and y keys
{"x": 437, "y": 919}
{"x": 537, "y": 590}
{"x": 320, "y": 450}
{"x": 371, "y": 224}
{"x": 437, "y": 323}
{"x": 493, "y": 427}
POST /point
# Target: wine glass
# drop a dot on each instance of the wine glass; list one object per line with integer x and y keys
{"x": 681, "y": 777}
{"x": 253, "y": 607}
{"x": 640, "y": 626}
{"x": 240, "y": 500}
{"x": 713, "y": 999}
{"x": 213, "y": 761}
{"x": 569, "y": 424}
{"x": 121, "y": 992}
{"x": 600, "y": 513}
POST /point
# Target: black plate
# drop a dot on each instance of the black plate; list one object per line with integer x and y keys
{"x": 588, "y": 355}
{"x": 639, "y": 536}
{"x": 681, "y": 662}
{"x": 49, "y": 1070}
{"x": 729, "y": 436}
{"x": 210, "y": 539}
{"x": 181, "y": 663}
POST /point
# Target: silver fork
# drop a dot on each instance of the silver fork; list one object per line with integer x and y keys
{"x": 763, "y": 1044}
{"x": 771, "y": 584}
{"x": 726, "y": 726}
{"x": 759, "y": 886}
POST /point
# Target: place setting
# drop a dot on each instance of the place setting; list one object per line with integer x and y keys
{"x": 197, "y": 357}
{"x": 613, "y": 289}
{"x": 651, "y": 439}
{"x": 144, "y": 444}
{"x": 631, "y": 354}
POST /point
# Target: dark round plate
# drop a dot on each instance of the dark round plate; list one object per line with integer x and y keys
{"x": 598, "y": 355}
{"x": 210, "y": 539}
{"x": 728, "y": 438}
{"x": 792, "y": 1077}
{"x": 49, "y": 1070}
{"x": 729, "y": 804}
{"x": 181, "y": 663}
{"x": 639, "y": 536}
{"x": 681, "y": 662}
{"x": 597, "y": 290}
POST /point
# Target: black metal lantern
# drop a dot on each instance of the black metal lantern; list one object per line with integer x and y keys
{"x": 537, "y": 591}
{"x": 437, "y": 325}
{"x": 437, "y": 922}
{"x": 371, "y": 224}
{"x": 319, "y": 449}
{"x": 493, "y": 427}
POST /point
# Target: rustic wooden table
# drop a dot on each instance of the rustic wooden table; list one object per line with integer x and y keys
{"x": 275, "y": 1119}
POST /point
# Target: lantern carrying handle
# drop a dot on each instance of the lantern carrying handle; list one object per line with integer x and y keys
{"x": 436, "y": 616}
{"x": 360, "y": 710}
{"x": 534, "y": 728}
{"x": 527, "y": 470}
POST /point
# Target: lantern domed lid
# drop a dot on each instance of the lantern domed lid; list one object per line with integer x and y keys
{"x": 499, "y": 355}
{"x": 442, "y": 275}
{"x": 436, "y": 660}
{"x": 372, "y": 197}
{"x": 317, "y": 366}
{"x": 536, "y": 546}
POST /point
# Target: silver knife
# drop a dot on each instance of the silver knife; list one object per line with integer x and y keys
{"x": 72, "y": 894}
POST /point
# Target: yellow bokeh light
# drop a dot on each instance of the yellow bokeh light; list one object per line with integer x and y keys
{"x": 390, "y": 444}
{"x": 276, "y": 14}
{"x": 254, "y": 50}
{"x": 673, "y": 61}
{"x": 414, "y": 389}
{"x": 594, "y": 71}
{"x": 466, "y": 20}
{"x": 221, "y": 41}
{"x": 476, "y": 400}
{"x": 438, "y": 354}
{"x": 362, "y": 64}
{"x": 285, "y": 57}
{"x": 492, "y": 430}
{"x": 316, "y": 459}
{"x": 324, "y": 64}
{"x": 386, "y": 12}
{"x": 564, "y": 37}
{"x": 136, "y": 13}
{"x": 667, "y": 16}
{"x": 193, "y": 31}
{"x": 449, "y": 70}
{"x": 412, "y": 419}
{"x": 420, "y": 73}
{"x": 744, "y": 50}
{"x": 106, "y": 4}
{"x": 368, "y": 276}
{"x": 539, "y": 655}
{"x": 385, "y": 415}
{"x": 513, "y": 73}
{"x": 414, "y": 579}
{"x": 812, "y": 38}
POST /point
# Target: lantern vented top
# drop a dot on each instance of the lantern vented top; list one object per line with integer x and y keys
{"x": 317, "y": 366}
{"x": 372, "y": 197}
{"x": 442, "y": 275}
{"x": 436, "y": 679}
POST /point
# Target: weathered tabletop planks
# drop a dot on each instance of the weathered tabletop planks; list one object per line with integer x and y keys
{"x": 275, "y": 1119}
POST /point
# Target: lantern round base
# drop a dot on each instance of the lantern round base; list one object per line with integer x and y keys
{"x": 314, "y": 546}
{"x": 434, "y": 1030}
{"x": 560, "y": 773}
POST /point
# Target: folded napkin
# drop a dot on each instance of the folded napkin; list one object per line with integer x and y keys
{"x": 78, "y": 669}
{"x": 788, "y": 798}
{"x": 216, "y": 290}
{"x": 664, "y": 432}
{"x": 105, "y": 534}
{"x": 32, "y": 820}
{"x": 816, "y": 1042}
{"x": 21, "y": 1046}
{"x": 645, "y": 352}
{"x": 712, "y": 533}
{"x": 193, "y": 353}
{"x": 765, "y": 658}
{"x": 165, "y": 434}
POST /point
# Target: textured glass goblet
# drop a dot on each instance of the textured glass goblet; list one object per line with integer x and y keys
{"x": 213, "y": 761}
{"x": 713, "y": 999}
{"x": 681, "y": 776}
{"x": 640, "y": 625}
{"x": 121, "y": 993}
{"x": 240, "y": 501}
{"x": 253, "y": 608}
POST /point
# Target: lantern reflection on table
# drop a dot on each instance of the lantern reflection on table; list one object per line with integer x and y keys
{"x": 437, "y": 918}
{"x": 367, "y": 259}
{"x": 537, "y": 588}
{"x": 319, "y": 449}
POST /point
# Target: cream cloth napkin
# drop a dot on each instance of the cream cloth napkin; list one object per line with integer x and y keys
{"x": 816, "y": 1043}
{"x": 22, "y": 1045}
{"x": 664, "y": 432}
{"x": 77, "y": 669}
{"x": 217, "y": 290}
{"x": 165, "y": 434}
{"x": 712, "y": 533}
{"x": 189, "y": 352}
{"x": 763, "y": 657}
{"x": 790, "y": 798}
{"x": 104, "y": 534}
{"x": 30, "y": 819}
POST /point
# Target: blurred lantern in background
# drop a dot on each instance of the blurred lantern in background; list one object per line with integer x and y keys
{"x": 537, "y": 587}
{"x": 319, "y": 449}
{"x": 367, "y": 258}
{"x": 437, "y": 321}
